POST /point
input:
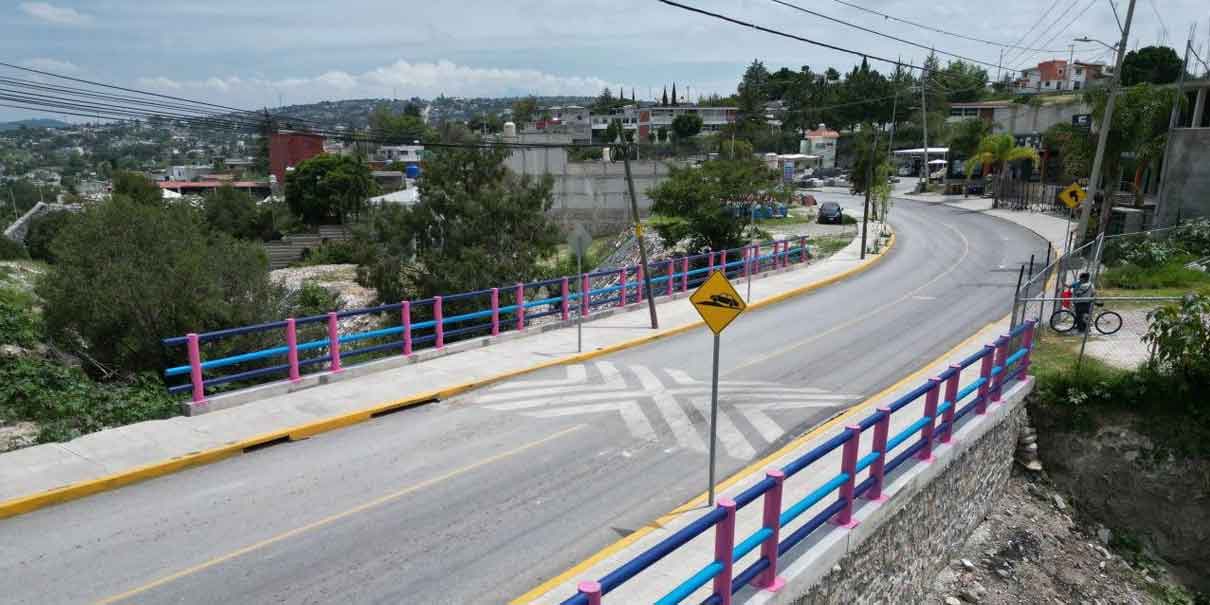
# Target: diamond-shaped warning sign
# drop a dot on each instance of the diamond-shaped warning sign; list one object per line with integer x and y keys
{"x": 1073, "y": 195}
{"x": 717, "y": 302}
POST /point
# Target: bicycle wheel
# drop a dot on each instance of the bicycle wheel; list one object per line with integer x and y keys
{"x": 1108, "y": 322}
{"x": 1062, "y": 321}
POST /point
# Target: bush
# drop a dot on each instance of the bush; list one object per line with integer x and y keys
{"x": 128, "y": 275}
{"x": 11, "y": 250}
{"x": 18, "y": 325}
{"x": 1193, "y": 237}
{"x": 42, "y": 231}
{"x": 233, "y": 212}
{"x": 337, "y": 253}
{"x": 1180, "y": 337}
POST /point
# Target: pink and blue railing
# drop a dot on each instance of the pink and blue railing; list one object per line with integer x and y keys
{"x": 313, "y": 344}
{"x": 946, "y": 402}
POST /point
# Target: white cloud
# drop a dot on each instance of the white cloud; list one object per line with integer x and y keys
{"x": 50, "y": 13}
{"x": 48, "y": 64}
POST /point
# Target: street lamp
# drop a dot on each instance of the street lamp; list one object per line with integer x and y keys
{"x": 1087, "y": 39}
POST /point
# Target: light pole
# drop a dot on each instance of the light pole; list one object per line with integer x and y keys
{"x": 1106, "y": 123}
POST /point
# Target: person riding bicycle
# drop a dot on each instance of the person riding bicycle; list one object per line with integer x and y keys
{"x": 1082, "y": 291}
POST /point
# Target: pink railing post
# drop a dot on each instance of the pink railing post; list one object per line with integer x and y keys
{"x": 638, "y": 284}
{"x": 723, "y": 261}
{"x": 711, "y": 265}
{"x": 785, "y": 254}
{"x": 951, "y": 393}
{"x": 724, "y": 543}
{"x": 438, "y": 323}
{"x": 585, "y": 296}
{"x": 622, "y": 283}
{"x": 671, "y": 277}
{"x": 685, "y": 274}
{"x": 520, "y": 307}
{"x": 747, "y": 256}
{"x": 292, "y": 348}
{"x": 495, "y": 311}
{"x": 1001, "y": 356}
{"x": 930, "y": 411}
{"x": 405, "y": 315}
{"x": 566, "y": 313}
{"x": 1027, "y": 342}
{"x": 985, "y": 372}
{"x": 802, "y": 249}
{"x": 878, "y": 468}
{"x": 333, "y": 343}
{"x": 848, "y": 466}
{"x": 592, "y": 590}
{"x": 768, "y": 579}
{"x": 195, "y": 368}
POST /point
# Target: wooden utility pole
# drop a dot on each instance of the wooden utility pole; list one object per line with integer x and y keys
{"x": 638, "y": 233}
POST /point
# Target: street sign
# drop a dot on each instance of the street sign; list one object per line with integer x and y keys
{"x": 1082, "y": 120}
{"x": 579, "y": 240}
{"x": 717, "y": 302}
{"x": 1073, "y": 195}
{"x": 787, "y": 172}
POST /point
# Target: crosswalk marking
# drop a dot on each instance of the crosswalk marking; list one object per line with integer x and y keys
{"x": 678, "y": 421}
{"x": 631, "y": 413}
{"x": 576, "y": 374}
{"x": 733, "y": 441}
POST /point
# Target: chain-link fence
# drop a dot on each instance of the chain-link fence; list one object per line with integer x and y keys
{"x": 1109, "y": 329}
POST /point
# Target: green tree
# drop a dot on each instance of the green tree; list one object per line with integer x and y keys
{"x": 138, "y": 188}
{"x": 869, "y": 153}
{"x": 965, "y": 137}
{"x": 752, "y": 95}
{"x": 1075, "y": 147}
{"x": 664, "y": 98}
{"x": 690, "y": 206}
{"x": 329, "y": 188}
{"x": 686, "y": 125}
{"x": 963, "y": 82}
{"x": 42, "y": 233}
{"x": 613, "y": 131}
{"x": 999, "y": 150}
{"x": 1151, "y": 64}
{"x": 524, "y": 110}
{"x": 398, "y": 128}
{"x": 233, "y": 212}
{"x": 128, "y": 274}
{"x": 1140, "y": 126}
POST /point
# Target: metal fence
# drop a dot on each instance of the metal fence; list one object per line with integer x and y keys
{"x": 1111, "y": 330}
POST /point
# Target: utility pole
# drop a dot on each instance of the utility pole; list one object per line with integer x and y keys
{"x": 869, "y": 184}
{"x": 924, "y": 119}
{"x": 1071, "y": 58}
{"x": 1174, "y": 121}
{"x": 1094, "y": 180}
{"x": 638, "y": 233}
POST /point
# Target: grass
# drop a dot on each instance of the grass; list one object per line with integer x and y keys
{"x": 1170, "y": 276}
{"x": 830, "y": 244}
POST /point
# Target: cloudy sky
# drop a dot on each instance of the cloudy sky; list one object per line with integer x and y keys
{"x": 248, "y": 53}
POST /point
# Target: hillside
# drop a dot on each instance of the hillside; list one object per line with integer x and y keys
{"x": 355, "y": 113}
{"x": 33, "y": 123}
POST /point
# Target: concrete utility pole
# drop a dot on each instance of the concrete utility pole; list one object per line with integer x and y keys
{"x": 924, "y": 119}
{"x": 638, "y": 233}
{"x": 1103, "y": 136}
{"x": 1173, "y": 121}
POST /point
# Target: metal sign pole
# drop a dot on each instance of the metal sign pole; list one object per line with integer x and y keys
{"x": 580, "y": 310}
{"x": 713, "y": 419}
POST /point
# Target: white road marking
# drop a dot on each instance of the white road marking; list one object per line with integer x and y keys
{"x": 576, "y": 374}
{"x": 636, "y": 421}
{"x": 676, "y": 418}
{"x": 736, "y": 444}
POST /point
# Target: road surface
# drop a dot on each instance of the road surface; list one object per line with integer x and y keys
{"x": 480, "y": 498}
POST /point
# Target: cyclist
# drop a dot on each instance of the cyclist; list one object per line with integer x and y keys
{"x": 1082, "y": 291}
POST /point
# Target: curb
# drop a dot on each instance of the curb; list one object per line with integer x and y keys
{"x": 75, "y": 491}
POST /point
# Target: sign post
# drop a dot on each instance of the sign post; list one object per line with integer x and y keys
{"x": 719, "y": 304}
{"x": 1071, "y": 197}
{"x": 579, "y": 240}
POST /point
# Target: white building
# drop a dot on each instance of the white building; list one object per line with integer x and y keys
{"x": 649, "y": 119}
{"x": 822, "y": 142}
{"x": 1055, "y": 76}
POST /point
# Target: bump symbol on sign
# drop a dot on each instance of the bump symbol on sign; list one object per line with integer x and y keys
{"x": 717, "y": 302}
{"x": 1073, "y": 196}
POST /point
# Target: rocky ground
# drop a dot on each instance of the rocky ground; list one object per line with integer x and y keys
{"x": 1032, "y": 548}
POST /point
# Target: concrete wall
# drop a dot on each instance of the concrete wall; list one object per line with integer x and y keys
{"x": 1021, "y": 119}
{"x": 1187, "y": 192}
{"x": 20, "y": 227}
{"x": 901, "y": 544}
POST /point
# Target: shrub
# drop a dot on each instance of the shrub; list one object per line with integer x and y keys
{"x": 18, "y": 325}
{"x": 233, "y": 212}
{"x": 42, "y": 231}
{"x": 1135, "y": 277}
{"x": 11, "y": 250}
{"x": 1180, "y": 336}
{"x": 128, "y": 275}
{"x": 1193, "y": 237}
{"x": 336, "y": 253}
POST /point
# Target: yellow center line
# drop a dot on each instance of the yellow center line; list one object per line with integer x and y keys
{"x": 335, "y": 517}
{"x": 860, "y": 318}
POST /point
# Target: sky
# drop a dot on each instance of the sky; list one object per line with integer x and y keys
{"x": 254, "y": 53}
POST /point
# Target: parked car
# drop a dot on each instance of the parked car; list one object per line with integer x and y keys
{"x": 831, "y": 212}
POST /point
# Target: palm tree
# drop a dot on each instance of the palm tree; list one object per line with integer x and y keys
{"x": 999, "y": 150}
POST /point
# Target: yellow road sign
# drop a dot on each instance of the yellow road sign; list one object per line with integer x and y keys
{"x": 717, "y": 302}
{"x": 1073, "y": 196}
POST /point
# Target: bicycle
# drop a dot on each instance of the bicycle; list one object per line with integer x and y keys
{"x": 1105, "y": 322}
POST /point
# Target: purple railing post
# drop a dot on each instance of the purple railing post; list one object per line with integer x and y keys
{"x": 405, "y": 315}
{"x": 711, "y": 265}
{"x": 495, "y": 311}
{"x": 566, "y": 314}
{"x": 195, "y": 368}
{"x": 1001, "y": 356}
{"x": 638, "y": 284}
{"x": 802, "y": 249}
{"x": 671, "y": 277}
{"x": 848, "y": 466}
{"x": 878, "y": 468}
{"x": 438, "y": 323}
{"x": 951, "y": 393}
{"x": 747, "y": 256}
{"x": 333, "y": 342}
{"x": 785, "y": 254}
{"x": 768, "y": 579}
{"x": 592, "y": 590}
{"x": 685, "y": 274}
{"x": 1027, "y": 342}
{"x": 724, "y": 543}
{"x": 622, "y": 283}
{"x": 520, "y": 307}
{"x": 585, "y": 296}
{"x": 930, "y": 412}
{"x": 985, "y": 372}
{"x": 292, "y": 348}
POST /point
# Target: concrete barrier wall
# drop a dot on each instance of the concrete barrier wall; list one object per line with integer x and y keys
{"x": 901, "y": 544}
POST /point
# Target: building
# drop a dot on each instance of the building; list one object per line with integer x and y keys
{"x": 189, "y": 173}
{"x": 1186, "y": 172}
{"x": 408, "y": 154}
{"x": 258, "y": 189}
{"x": 289, "y": 149}
{"x": 821, "y": 142}
{"x": 1055, "y": 75}
{"x": 647, "y": 120}
{"x": 1022, "y": 120}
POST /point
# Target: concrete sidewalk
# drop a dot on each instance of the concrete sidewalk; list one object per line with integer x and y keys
{"x": 49, "y": 473}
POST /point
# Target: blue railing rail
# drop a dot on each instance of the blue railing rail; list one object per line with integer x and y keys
{"x": 946, "y": 402}
{"x": 295, "y": 346}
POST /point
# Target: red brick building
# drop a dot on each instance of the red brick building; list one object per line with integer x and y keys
{"x": 289, "y": 149}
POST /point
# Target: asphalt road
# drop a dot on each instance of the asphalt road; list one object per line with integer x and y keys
{"x": 480, "y": 498}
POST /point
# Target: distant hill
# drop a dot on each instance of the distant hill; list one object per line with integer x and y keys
{"x": 33, "y": 123}
{"x": 355, "y": 113}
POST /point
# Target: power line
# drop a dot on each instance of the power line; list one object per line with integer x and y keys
{"x": 1025, "y": 33}
{"x": 1066, "y": 27}
{"x": 1163, "y": 26}
{"x": 1020, "y": 56}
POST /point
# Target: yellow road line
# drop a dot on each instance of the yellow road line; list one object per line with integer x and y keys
{"x": 700, "y": 499}
{"x": 395, "y": 495}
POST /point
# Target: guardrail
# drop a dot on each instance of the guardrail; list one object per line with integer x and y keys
{"x": 1001, "y": 363}
{"x": 313, "y": 344}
